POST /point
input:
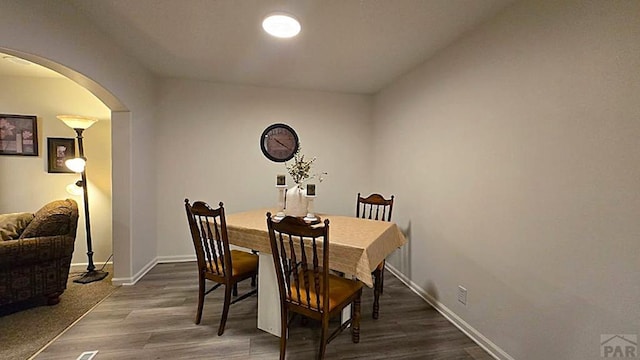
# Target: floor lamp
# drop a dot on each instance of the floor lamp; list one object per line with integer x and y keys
{"x": 79, "y": 124}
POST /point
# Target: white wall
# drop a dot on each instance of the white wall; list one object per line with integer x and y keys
{"x": 53, "y": 34}
{"x": 27, "y": 186}
{"x": 208, "y": 149}
{"x": 515, "y": 159}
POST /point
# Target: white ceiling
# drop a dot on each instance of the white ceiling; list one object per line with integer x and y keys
{"x": 356, "y": 46}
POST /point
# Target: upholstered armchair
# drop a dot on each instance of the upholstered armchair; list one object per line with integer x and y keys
{"x": 36, "y": 251}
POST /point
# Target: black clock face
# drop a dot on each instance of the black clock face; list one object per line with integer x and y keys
{"x": 279, "y": 142}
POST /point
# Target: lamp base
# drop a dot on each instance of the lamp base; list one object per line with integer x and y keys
{"x": 91, "y": 276}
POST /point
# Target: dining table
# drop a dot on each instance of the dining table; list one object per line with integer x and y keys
{"x": 357, "y": 247}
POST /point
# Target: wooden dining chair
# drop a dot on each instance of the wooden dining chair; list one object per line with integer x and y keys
{"x": 216, "y": 262}
{"x": 301, "y": 258}
{"x": 375, "y": 207}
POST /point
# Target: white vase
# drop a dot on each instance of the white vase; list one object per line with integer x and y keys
{"x": 296, "y": 202}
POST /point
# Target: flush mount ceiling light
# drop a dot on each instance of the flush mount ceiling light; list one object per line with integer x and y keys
{"x": 281, "y": 25}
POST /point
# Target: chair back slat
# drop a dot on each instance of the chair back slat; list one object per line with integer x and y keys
{"x": 294, "y": 274}
{"x": 285, "y": 264}
{"x": 374, "y": 207}
{"x": 208, "y": 232}
{"x": 301, "y": 254}
{"x": 304, "y": 270}
{"x": 210, "y": 247}
{"x": 316, "y": 275}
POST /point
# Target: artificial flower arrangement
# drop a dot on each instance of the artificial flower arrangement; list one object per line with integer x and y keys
{"x": 300, "y": 169}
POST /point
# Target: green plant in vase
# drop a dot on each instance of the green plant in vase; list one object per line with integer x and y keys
{"x": 300, "y": 171}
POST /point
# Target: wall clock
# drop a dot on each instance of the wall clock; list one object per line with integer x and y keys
{"x": 279, "y": 142}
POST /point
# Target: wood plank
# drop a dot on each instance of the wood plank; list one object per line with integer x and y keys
{"x": 155, "y": 320}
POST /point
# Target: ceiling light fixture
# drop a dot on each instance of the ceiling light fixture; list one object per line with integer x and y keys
{"x": 281, "y": 25}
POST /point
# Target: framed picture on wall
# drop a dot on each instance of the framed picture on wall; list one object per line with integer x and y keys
{"x": 18, "y": 135}
{"x": 58, "y": 151}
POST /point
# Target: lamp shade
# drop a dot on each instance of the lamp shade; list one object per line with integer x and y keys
{"x": 74, "y": 189}
{"x": 77, "y": 122}
{"x": 76, "y": 164}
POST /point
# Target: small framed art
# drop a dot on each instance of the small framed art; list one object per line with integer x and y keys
{"x": 60, "y": 150}
{"x": 18, "y": 135}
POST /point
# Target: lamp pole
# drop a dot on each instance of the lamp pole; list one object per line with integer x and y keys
{"x": 92, "y": 274}
{"x": 91, "y": 267}
{"x": 79, "y": 124}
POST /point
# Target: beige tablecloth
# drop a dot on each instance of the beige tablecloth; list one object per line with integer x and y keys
{"x": 357, "y": 245}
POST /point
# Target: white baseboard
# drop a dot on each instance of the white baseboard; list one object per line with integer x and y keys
{"x": 127, "y": 281}
{"x": 482, "y": 341}
{"x": 176, "y": 259}
{"x": 133, "y": 280}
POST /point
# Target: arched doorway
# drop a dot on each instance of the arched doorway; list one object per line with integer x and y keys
{"x": 101, "y": 201}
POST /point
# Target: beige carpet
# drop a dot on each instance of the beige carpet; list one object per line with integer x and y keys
{"x": 25, "y": 332}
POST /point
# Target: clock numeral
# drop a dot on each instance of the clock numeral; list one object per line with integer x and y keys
{"x": 281, "y": 153}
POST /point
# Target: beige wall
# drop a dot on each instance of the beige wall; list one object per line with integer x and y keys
{"x": 515, "y": 154}
{"x": 208, "y": 149}
{"x": 27, "y": 186}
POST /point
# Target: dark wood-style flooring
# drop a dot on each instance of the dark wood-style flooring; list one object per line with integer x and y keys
{"x": 155, "y": 320}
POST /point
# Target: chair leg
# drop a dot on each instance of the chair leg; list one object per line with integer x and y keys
{"x": 235, "y": 289}
{"x": 355, "y": 320}
{"x": 382, "y": 276}
{"x": 377, "y": 290}
{"x": 283, "y": 332}
{"x": 201, "y": 290}
{"x": 225, "y": 309}
{"x": 324, "y": 337}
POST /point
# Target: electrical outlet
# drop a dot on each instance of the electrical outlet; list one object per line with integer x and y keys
{"x": 462, "y": 295}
